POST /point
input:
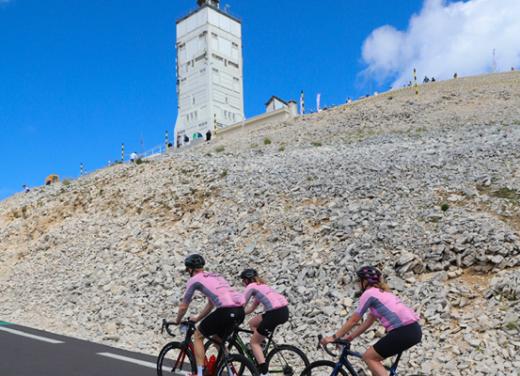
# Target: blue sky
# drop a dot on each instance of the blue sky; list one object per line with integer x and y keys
{"x": 79, "y": 77}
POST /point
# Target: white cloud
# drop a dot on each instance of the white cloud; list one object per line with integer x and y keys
{"x": 446, "y": 37}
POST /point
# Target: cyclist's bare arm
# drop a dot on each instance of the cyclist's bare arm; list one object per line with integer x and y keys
{"x": 183, "y": 308}
{"x": 207, "y": 309}
{"x": 349, "y": 324}
{"x": 362, "y": 327}
{"x": 251, "y": 308}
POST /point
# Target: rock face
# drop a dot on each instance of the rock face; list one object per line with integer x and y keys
{"x": 426, "y": 187}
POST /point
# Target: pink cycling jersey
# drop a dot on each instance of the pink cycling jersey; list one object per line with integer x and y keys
{"x": 216, "y": 289}
{"x": 265, "y": 295}
{"x": 387, "y": 308}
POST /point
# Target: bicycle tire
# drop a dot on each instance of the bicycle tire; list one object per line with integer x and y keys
{"x": 287, "y": 360}
{"x": 327, "y": 369}
{"x": 167, "y": 360}
{"x": 236, "y": 365}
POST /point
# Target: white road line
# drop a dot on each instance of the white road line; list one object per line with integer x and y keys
{"x": 23, "y": 334}
{"x": 129, "y": 360}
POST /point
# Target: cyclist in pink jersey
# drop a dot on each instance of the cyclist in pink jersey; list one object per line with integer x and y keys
{"x": 275, "y": 313}
{"x": 401, "y": 322}
{"x": 228, "y": 304}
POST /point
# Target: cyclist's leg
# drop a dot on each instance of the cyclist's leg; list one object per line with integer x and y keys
{"x": 255, "y": 321}
{"x": 256, "y": 346}
{"x": 208, "y": 327}
{"x": 373, "y": 361}
{"x": 269, "y": 321}
{"x": 198, "y": 348}
{"x": 393, "y": 343}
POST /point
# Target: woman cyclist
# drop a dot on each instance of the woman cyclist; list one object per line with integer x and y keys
{"x": 401, "y": 322}
{"x": 275, "y": 312}
{"x": 229, "y": 306}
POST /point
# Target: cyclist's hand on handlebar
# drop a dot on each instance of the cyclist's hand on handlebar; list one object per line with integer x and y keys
{"x": 326, "y": 340}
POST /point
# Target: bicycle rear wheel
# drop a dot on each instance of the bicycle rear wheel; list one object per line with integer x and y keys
{"x": 323, "y": 368}
{"x": 286, "y": 360}
{"x": 236, "y": 365}
{"x": 213, "y": 349}
{"x": 174, "y": 360}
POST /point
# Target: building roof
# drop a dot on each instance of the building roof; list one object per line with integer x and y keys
{"x": 212, "y": 7}
{"x": 277, "y": 98}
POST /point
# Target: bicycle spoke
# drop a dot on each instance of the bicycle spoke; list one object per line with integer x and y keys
{"x": 287, "y": 360}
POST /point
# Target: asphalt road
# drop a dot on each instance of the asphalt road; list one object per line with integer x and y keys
{"x": 31, "y": 352}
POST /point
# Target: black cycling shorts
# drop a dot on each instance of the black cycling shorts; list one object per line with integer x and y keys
{"x": 398, "y": 340}
{"x": 271, "y": 319}
{"x": 222, "y": 321}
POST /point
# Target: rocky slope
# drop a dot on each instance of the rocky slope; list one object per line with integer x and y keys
{"x": 427, "y": 187}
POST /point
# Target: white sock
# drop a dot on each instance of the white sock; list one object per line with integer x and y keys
{"x": 199, "y": 370}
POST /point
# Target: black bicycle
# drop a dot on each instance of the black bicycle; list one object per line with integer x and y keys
{"x": 282, "y": 359}
{"x": 329, "y": 368}
{"x": 179, "y": 358}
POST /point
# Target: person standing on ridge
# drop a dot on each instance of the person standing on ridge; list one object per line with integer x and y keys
{"x": 228, "y": 304}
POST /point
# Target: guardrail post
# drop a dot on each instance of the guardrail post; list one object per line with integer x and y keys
{"x": 166, "y": 141}
{"x": 122, "y": 152}
{"x": 81, "y": 169}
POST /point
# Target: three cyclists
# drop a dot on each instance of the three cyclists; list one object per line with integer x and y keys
{"x": 401, "y": 322}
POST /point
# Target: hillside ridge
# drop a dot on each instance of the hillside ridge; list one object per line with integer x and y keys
{"x": 427, "y": 187}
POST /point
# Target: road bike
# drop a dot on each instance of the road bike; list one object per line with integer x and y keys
{"x": 343, "y": 366}
{"x": 178, "y": 357}
{"x": 286, "y": 360}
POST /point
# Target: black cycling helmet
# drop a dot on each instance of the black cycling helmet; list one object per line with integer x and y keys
{"x": 369, "y": 273}
{"x": 194, "y": 261}
{"x": 248, "y": 274}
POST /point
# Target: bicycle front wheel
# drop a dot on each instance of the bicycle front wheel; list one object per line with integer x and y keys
{"x": 174, "y": 360}
{"x": 236, "y": 365}
{"x": 323, "y": 368}
{"x": 286, "y": 360}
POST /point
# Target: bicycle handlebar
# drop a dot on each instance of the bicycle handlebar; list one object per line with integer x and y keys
{"x": 166, "y": 326}
{"x": 339, "y": 341}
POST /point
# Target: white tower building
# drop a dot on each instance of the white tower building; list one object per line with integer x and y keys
{"x": 209, "y": 72}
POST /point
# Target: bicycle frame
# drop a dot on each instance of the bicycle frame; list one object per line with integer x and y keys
{"x": 344, "y": 362}
{"x": 187, "y": 343}
{"x": 246, "y": 350}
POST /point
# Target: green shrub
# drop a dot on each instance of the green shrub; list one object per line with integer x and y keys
{"x": 219, "y": 149}
{"x": 316, "y": 143}
{"x": 223, "y": 174}
{"x": 281, "y": 148}
{"x": 267, "y": 141}
{"x": 507, "y": 193}
{"x": 445, "y": 207}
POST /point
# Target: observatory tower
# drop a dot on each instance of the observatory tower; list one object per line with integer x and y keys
{"x": 209, "y": 72}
